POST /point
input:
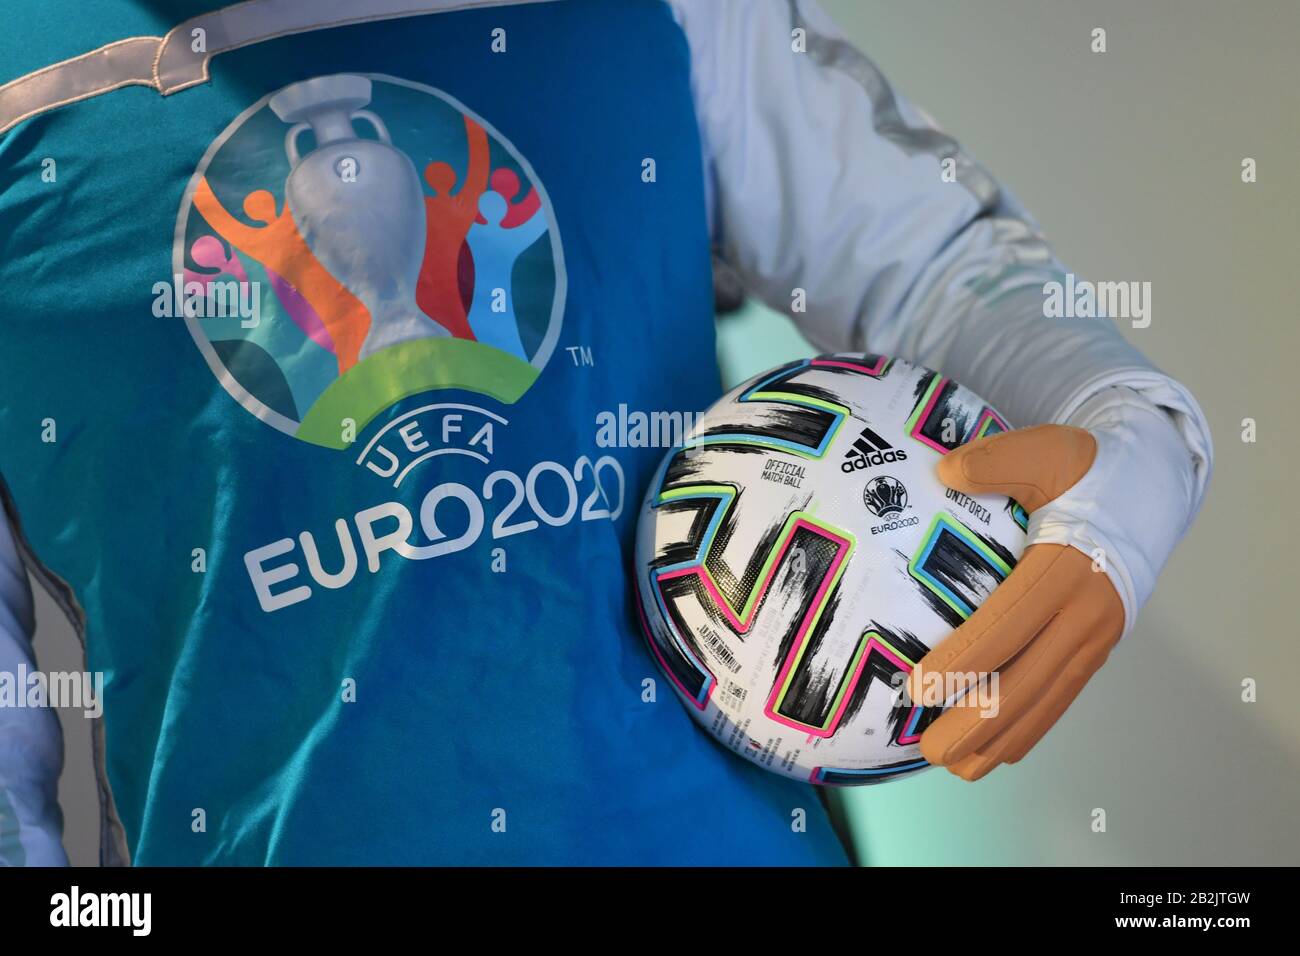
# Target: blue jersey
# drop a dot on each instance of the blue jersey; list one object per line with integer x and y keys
{"x": 304, "y": 368}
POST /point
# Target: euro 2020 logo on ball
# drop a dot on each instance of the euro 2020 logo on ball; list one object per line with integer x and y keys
{"x": 885, "y": 496}
{"x": 397, "y": 244}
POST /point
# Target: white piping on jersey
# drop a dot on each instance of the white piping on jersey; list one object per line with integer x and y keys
{"x": 169, "y": 66}
{"x": 111, "y": 67}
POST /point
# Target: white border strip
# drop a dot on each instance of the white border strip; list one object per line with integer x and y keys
{"x": 169, "y": 65}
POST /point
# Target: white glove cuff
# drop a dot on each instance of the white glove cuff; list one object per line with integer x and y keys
{"x": 1131, "y": 508}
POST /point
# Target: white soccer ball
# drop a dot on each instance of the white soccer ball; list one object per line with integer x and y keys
{"x": 799, "y": 555}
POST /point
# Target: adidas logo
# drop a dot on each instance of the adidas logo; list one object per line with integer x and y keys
{"x": 870, "y": 449}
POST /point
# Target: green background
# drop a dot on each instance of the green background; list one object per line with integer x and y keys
{"x": 1131, "y": 161}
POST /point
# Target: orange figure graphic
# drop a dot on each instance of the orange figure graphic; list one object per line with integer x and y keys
{"x": 281, "y": 248}
{"x": 447, "y": 221}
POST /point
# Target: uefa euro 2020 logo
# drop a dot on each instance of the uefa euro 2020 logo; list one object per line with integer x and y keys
{"x": 397, "y": 243}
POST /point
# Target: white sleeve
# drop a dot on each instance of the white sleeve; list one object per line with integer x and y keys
{"x": 823, "y": 179}
{"x": 31, "y": 744}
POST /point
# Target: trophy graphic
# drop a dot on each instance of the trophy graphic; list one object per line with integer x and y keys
{"x": 357, "y": 203}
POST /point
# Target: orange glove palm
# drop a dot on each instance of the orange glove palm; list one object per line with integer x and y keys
{"x": 1045, "y": 630}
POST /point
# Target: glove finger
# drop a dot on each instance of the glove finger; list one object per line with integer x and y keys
{"x": 974, "y": 767}
{"x": 1093, "y": 613}
{"x": 1022, "y": 736}
{"x": 1098, "y": 614}
{"x": 968, "y": 727}
{"x": 1031, "y": 465}
{"x": 1005, "y": 623}
{"x": 1016, "y": 740}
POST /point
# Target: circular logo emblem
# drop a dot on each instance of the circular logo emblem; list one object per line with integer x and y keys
{"x": 353, "y": 240}
{"x": 884, "y": 496}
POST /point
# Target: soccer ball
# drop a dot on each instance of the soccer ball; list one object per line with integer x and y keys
{"x": 798, "y": 555}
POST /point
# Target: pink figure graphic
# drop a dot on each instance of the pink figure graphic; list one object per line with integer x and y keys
{"x": 506, "y": 182}
{"x": 209, "y": 252}
{"x": 300, "y": 310}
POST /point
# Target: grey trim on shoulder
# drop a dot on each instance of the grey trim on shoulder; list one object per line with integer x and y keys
{"x": 170, "y": 64}
{"x": 113, "y": 849}
{"x": 125, "y": 63}
{"x": 839, "y": 54}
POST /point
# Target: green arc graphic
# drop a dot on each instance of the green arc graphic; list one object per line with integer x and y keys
{"x": 409, "y": 369}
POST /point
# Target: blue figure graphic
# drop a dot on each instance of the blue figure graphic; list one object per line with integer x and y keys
{"x": 495, "y": 251}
